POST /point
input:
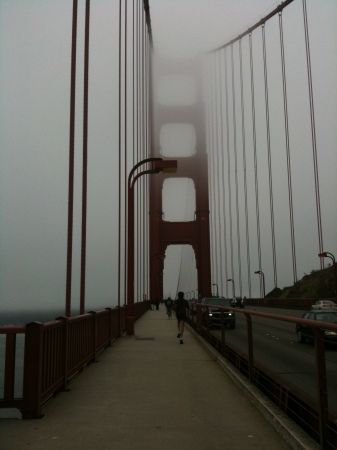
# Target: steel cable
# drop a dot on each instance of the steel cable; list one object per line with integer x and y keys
{"x": 271, "y": 199}
{"x": 313, "y": 131}
{"x": 243, "y": 131}
{"x": 236, "y": 171}
{"x": 257, "y": 207}
{"x": 229, "y": 169}
{"x": 120, "y": 154}
{"x": 211, "y": 165}
{"x": 285, "y": 105}
{"x": 71, "y": 161}
{"x": 223, "y": 185}
{"x": 85, "y": 156}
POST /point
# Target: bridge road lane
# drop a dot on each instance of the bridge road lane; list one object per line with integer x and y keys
{"x": 148, "y": 394}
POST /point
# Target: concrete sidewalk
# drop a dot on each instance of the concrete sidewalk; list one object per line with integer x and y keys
{"x": 148, "y": 392}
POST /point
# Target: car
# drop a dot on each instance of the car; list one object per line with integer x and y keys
{"x": 324, "y": 304}
{"x": 212, "y": 315}
{"x": 304, "y": 332}
{"x": 237, "y": 303}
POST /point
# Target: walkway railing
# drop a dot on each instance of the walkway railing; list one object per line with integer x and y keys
{"x": 54, "y": 352}
{"x": 310, "y": 410}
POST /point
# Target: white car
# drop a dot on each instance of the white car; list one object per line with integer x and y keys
{"x": 324, "y": 304}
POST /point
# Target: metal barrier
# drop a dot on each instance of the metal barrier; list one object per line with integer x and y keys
{"x": 313, "y": 415}
{"x": 54, "y": 352}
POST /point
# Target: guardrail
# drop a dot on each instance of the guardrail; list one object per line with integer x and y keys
{"x": 54, "y": 352}
{"x": 312, "y": 414}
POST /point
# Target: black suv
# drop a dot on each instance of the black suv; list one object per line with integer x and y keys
{"x": 211, "y": 316}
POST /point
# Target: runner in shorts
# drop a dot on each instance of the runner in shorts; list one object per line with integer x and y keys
{"x": 181, "y": 307}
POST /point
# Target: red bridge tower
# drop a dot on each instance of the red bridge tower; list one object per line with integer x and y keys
{"x": 196, "y": 232}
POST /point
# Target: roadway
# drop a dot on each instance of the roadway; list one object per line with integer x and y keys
{"x": 276, "y": 347}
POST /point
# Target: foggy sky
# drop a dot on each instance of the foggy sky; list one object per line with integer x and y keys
{"x": 35, "y": 42}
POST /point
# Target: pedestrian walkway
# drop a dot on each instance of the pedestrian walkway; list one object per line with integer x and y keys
{"x": 148, "y": 392}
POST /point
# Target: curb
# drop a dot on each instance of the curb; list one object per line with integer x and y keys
{"x": 288, "y": 430}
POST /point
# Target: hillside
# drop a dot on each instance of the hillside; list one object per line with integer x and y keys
{"x": 318, "y": 284}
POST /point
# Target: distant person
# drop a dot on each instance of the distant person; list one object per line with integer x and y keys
{"x": 169, "y": 305}
{"x": 181, "y": 307}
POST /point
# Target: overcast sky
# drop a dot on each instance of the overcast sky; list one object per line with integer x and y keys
{"x": 35, "y": 43}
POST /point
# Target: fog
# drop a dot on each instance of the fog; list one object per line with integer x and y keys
{"x": 35, "y": 45}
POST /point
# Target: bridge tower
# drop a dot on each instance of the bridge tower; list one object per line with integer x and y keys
{"x": 164, "y": 233}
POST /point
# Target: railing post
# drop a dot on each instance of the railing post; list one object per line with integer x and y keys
{"x": 223, "y": 335}
{"x": 65, "y": 328}
{"x": 10, "y": 366}
{"x": 32, "y": 380}
{"x": 250, "y": 346}
{"x": 94, "y": 331}
{"x": 110, "y": 325}
{"x": 321, "y": 385}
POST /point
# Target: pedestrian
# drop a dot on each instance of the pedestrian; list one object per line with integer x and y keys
{"x": 181, "y": 307}
{"x": 169, "y": 307}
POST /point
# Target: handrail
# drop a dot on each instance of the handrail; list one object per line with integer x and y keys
{"x": 54, "y": 352}
{"x": 313, "y": 415}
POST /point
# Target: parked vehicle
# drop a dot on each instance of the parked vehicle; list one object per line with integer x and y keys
{"x": 305, "y": 332}
{"x": 324, "y": 304}
{"x": 211, "y": 316}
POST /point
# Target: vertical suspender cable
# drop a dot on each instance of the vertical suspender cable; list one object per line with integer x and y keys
{"x": 216, "y": 186}
{"x": 255, "y": 155}
{"x": 313, "y": 131}
{"x": 220, "y": 157}
{"x": 236, "y": 173}
{"x": 245, "y": 172}
{"x": 144, "y": 252}
{"x": 271, "y": 201}
{"x": 211, "y": 165}
{"x": 85, "y": 156}
{"x": 142, "y": 221}
{"x": 208, "y": 90}
{"x": 125, "y": 139}
{"x": 223, "y": 181}
{"x": 229, "y": 169}
{"x": 71, "y": 162}
{"x": 120, "y": 153}
{"x": 138, "y": 72}
{"x": 285, "y": 104}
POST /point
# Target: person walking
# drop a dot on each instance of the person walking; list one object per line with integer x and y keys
{"x": 169, "y": 307}
{"x": 181, "y": 307}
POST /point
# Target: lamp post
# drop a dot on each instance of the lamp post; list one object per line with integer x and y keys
{"x": 331, "y": 256}
{"x": 157, "y": 165}
{"x": 259, "y": 272}
{"x": 230, "y": 279}
{"x": 217, "y": 290}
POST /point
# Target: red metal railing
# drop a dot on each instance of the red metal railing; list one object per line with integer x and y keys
{"x": 312, "y": 414}
{"x": 54, "y": 352}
